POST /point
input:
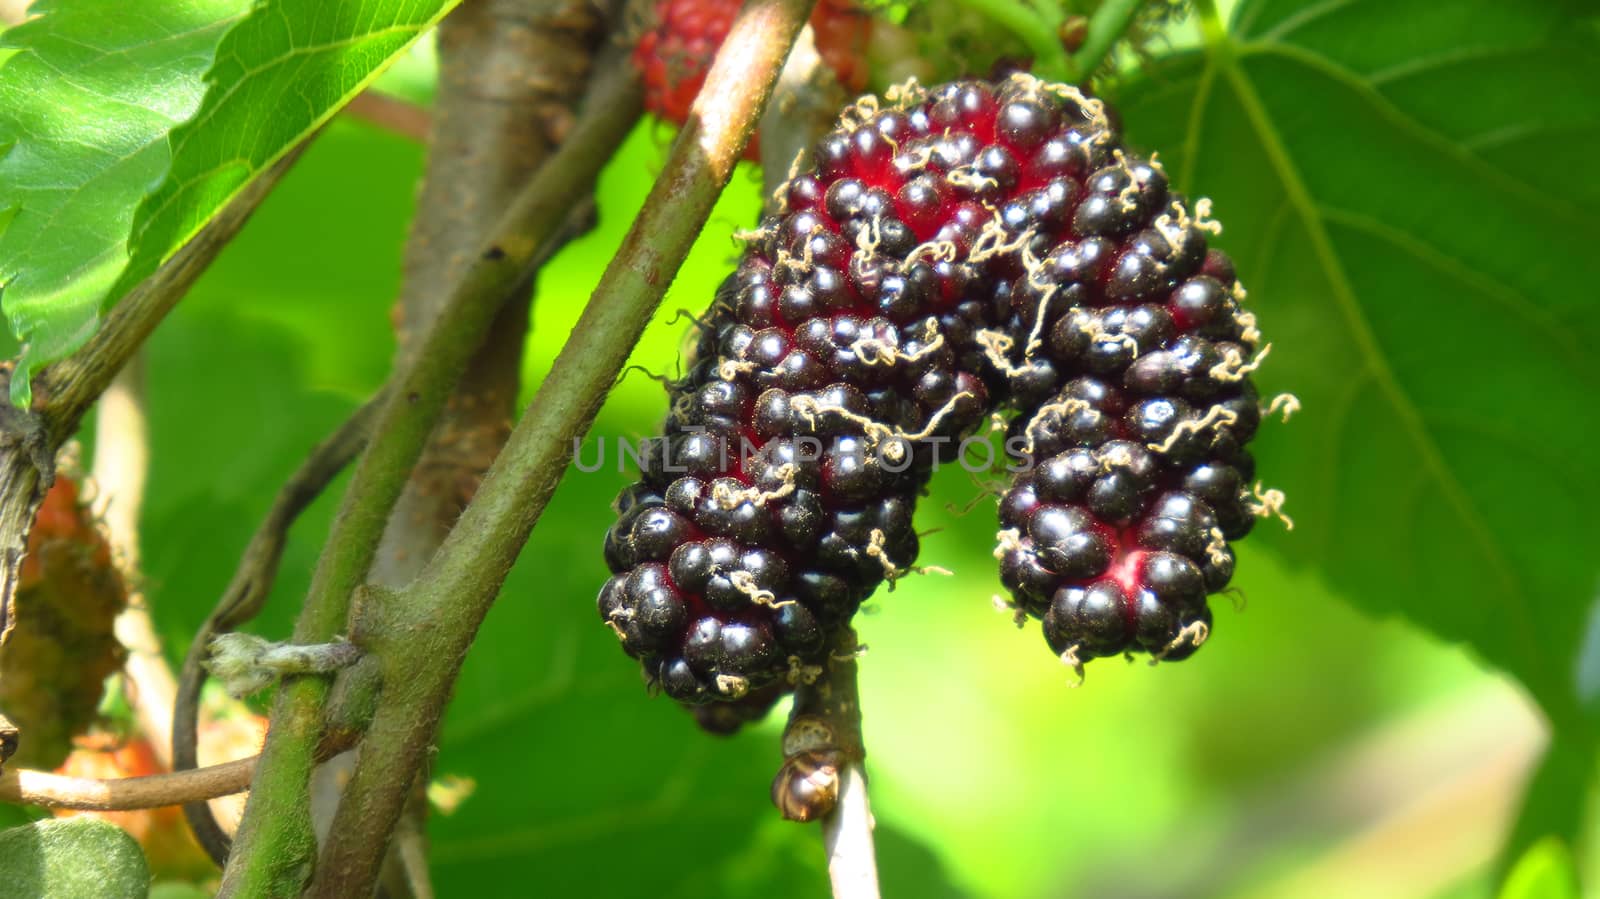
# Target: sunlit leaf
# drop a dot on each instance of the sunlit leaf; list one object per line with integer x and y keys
{"x": 87, "y": 103}
{"x": 278, "y": 75}
{"x": 130, "y": 125}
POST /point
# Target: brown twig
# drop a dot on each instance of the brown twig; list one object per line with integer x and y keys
{"x": 120, "y": 794}
{"x": 47, "y": 790}
{"x": 510, "y": 74}
{"x": 405, "y": 869}
{"x": 276, "y": 841}
{"x": 823, "y": 775}
{"x": 391, "y": 114}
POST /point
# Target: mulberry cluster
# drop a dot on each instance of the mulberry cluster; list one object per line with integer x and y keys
{"x": 946, "y": 254}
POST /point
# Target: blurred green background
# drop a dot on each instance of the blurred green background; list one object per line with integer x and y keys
{"x": 1310, "y": 750}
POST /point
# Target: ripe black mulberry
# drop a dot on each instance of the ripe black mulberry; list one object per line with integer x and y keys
{"x": 841, "y": 361}
{"x": 945, "y": 253}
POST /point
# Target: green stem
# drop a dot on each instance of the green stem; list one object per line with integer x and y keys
{"x": 1109, "y": 23}
{"x": 1211, "y": 25}
{"x": 274, "y": 850}
{"x": 1038, "y": 25}
{"x": 422, "y": 632}
{"x": 247, "y": 592}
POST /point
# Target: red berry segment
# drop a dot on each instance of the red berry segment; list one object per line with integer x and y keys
{"x": 69, "y": 593}
{"x": 843, "y": 30}
{"x": 674, "y": 55}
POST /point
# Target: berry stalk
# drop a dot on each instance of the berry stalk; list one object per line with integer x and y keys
{"x": 1107, "y": 26}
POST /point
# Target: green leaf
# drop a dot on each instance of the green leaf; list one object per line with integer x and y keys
{"x": 86, "y": 106}
{"x": 279, "y": 75}
{"x": 76, "y": 856}
{"x": 1545, "y": 871}
{"x": 122, "y": 151}
{"x": 1422, "y": 256}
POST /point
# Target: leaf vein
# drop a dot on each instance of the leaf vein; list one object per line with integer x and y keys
{"x": 1305, "y": 17}
{"x": 1502, "y": 295}
{"x": 1197, "y": 110}
{"x": 1333, "y": 450}
{"x": 1420, "y": 65}
{"x": 1409, "y": 126}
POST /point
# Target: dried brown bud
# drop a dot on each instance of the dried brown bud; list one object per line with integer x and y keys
{"x": 1072, "y": 33}
{"x": 8, "y": 741}
{"x": 807, "y": 786}
{"x": 808, "y": 733}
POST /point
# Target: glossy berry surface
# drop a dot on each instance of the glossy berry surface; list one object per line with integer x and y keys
{"x": 1128, "y": 360}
